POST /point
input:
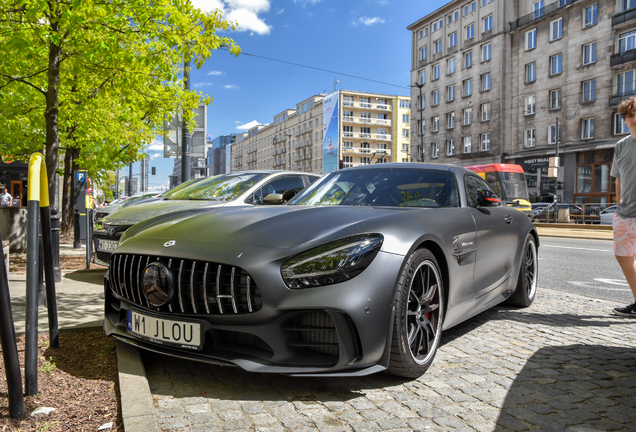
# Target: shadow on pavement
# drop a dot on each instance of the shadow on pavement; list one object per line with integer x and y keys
{"x": 573, "y": 386}
{"x": 92, "y": 276}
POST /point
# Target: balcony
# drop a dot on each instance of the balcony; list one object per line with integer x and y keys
{"x": 366, "y": 151}
{"x": 619, "y": 97}
{"x": 624, "y": 16}
{"x": 366, "y": 105}
{"x": 540, "y": 14}
{"x": 626, "y": 57}
{"x": 351, "y": 119}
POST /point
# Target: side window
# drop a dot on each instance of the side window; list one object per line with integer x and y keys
{"x": 476, "y": 187}
{"x": 283, "y": 184}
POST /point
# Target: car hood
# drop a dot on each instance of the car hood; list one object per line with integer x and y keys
{"x": 283, "y": 227}
{"x": 130, "y": 215}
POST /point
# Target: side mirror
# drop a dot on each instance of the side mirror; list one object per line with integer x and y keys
{"x": 486, "y": 198}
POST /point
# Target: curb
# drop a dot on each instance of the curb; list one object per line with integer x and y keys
{"x": 137, "y": 409}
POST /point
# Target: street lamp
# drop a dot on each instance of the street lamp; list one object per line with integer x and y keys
{"x": 290, "y": 151}
{"x": 422, "y": 150}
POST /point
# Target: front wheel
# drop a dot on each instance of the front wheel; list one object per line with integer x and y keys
{"x": 417, "y": 327}
{"x": 528, "y": 275}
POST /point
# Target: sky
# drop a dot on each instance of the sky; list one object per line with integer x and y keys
{"x": 293, "y": 49}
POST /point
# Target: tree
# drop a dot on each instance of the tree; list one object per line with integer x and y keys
{"x": 95, "y": 79}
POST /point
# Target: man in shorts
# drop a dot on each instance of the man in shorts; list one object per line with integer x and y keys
{"x": 624, "y": 170}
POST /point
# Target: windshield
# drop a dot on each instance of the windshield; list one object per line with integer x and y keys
{"x": 397, "y": 187}
{"x": 224, "y": 187}
{"x": 508, "y": 185}
{"x": 180, "y": 187}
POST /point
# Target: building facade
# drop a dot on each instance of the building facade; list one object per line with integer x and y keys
{"x": 544, "y": 74}
{"x": 364, "y": 128}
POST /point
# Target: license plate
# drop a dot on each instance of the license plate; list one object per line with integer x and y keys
{"x": 107, "y": 245}
{"x": 182, "y": 334}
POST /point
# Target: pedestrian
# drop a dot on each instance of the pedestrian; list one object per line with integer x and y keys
{"x": 6, "y": 200}
{"x": 624, "y": 171}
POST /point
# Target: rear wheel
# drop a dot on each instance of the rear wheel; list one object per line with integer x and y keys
{"x": 417, "y": 327}
{"x": 528, "y": 275}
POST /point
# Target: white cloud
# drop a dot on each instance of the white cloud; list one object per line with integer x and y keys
{"x": 232, "y": 87}
{"x": 156, "y": 145}
{"x": 202, "y": 84}
{"x": 368, "y": 21}
{"x": 244, "y": 12}
{"x": 306, "y": 2}
{"x": 156, "y": 155}
{"x": 280, "y": 11}
{"x": 215, "y": 73}
{"x": 248, "y": 126}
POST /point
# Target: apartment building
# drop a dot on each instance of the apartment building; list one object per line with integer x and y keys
{"x": 558, "y": 70}
{"x": 323, "y": 132}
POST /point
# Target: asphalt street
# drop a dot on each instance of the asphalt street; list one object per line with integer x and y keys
{"x": 585, "y": 267}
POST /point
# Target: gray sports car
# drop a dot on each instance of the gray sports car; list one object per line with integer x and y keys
{"x": 359, "y": 273}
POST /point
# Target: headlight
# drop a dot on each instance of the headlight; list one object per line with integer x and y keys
{"x": 331, "y": 263}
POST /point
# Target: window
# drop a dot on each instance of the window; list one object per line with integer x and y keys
{"x": 538, "y": 9}
{"x": 625, "y": 82}
{"x": 452, "y": 39}
{"x": 556, "y": 29}
{"x": 468, "y": 117}
{"x": 485, "y": 111}
{"x": 450, "y": 92}
{"x": 422, "y": 101}
{"x": 436, "y": 72}
{"x": 587, "y": 128}
{"x": 555, "y": 64}
{"x": 487, "y": 23}
{"x": 485, "y": 142}
{"x": 425, "y": 31}
{"x": 468, "y": 59}
{"x": 485, "y": 82}
{"x": 588, "y": 91}
{"x": 452, "y": 17}
{"x": 620, "y": 127}
{"x": 450, "y": 147}
{"x": 470, "y": 7}
{"x": 589, "y": 53}
{"x": 423, "y": 53}
{"x": 435, "y": 123}
{"x": 437, "y": 46}
{"x": 529, "y": 137}
{"x": 485, "y": 52}
{"x": 468, "y": 87}
{"x": 590, "y": 15}
{"x": 405, "y": 133}
{"x": 420, "y": 34}
{"x": 626, "y": 42}
{"x": 450, "y": 120}
{"x": 467, "y": 144}
{"x": 531, "y": 72}
{"x": 555, "y": 99}
{"x": 627, "y": 4}
{"x": 423, "y": 77}
{"x": 553, "y": 133}
{"x": 450, "y": 65}
{"x": 405, "y": 119}
{"x": 435, "y": 97}
{"x": 531, "y": 39}
{"x": 529, "y": 105}
{"x": 434, "y": 150}
{"x": 422, "y": 127}
{"x": 470, "y": 31}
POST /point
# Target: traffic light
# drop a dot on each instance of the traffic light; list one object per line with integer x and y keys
{"x": 341, "y": 164}
{"x": 153, "y": 170}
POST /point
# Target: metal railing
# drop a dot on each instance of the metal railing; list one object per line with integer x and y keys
{"x": 624, "y": 16}
{"x": 574, "y": 213}
{"x": 539, "y": 14}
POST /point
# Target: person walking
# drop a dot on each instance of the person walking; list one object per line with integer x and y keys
{"x": 6, "y": 200}
{"x": 624, "y": 225}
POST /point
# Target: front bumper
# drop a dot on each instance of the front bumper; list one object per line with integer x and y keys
{"x": 262, "y": 325}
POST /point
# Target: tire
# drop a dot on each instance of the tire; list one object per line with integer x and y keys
{"x": 417, "y": 326}
{"x": 528, "y": 275}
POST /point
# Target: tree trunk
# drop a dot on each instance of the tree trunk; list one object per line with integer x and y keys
{"x": 52, "y": 111}
{"x": 67, "y": 208}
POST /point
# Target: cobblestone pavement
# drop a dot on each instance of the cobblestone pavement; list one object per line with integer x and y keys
{"x": 564, "y": 364}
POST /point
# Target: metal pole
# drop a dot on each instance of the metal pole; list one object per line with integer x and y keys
{"x": 49, "y": 276}
{"x": 55, "y": 242}
{"x": 556, "y": 179}
{"x": 77, "y": 242}
{"x": 130, "y": 169}
{"x": 422, "y": 154}
{"x": 31, "y": 327}
{"x": 89, "y": 236}
{"x": 185, "y": 132}
{"x": 9, "y": 348}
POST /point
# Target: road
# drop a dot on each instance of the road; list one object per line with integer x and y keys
{"x": 584, "y": 267}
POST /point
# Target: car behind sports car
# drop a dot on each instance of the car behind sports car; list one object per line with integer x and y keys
{"x": 234, "y": 189}
{"x": 359, "y": 273}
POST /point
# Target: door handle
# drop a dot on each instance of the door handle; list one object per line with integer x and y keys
{"x": 508, "y": 219}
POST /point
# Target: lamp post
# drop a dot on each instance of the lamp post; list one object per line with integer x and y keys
{"x": 290, "y": 150}
{"x": 422, "y": 150}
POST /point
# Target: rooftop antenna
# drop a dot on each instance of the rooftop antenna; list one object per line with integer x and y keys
{"x": 335, "y": 83}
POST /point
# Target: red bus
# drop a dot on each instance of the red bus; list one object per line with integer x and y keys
{"x": 509, "y": 181}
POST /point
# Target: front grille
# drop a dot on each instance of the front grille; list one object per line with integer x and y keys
{"x": 201, "y": 287}
{"x": 104, "y": 256}
{"x": 316, "y": 332}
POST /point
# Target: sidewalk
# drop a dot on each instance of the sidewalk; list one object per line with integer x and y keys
{"x": 558, "y": 327}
